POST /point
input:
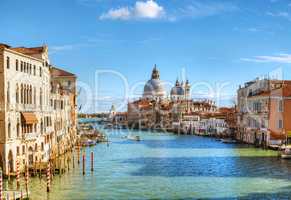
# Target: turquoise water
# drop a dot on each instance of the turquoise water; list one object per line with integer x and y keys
{"x": 166, "y": 166}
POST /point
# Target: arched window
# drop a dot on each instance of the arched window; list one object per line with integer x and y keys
{"x": 34, "y": 96}
{"x": 17, "y": 93}
{"x": 41, "y": 126}
{"x": 18, "y": 129}
{"x": 8, "y": 62}
{"x": 9, "y": 130}
{"x": 24, "y": 94}
{"x": 21, "y": 93}
{"x": 8, "y": 92}
{"x": 27, "y": 94}
{"x": 30, "y": 95}
{"x": 40, "y": 97}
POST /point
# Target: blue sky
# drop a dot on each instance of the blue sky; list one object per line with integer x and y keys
{"x": 206, "y": 41}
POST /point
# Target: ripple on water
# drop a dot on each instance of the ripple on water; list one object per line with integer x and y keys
{"x": 164, "y": 166}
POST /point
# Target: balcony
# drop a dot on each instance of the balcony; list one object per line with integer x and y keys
{"x": 30, "y": 136}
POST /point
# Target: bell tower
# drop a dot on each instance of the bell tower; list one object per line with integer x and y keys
{"x": 155, "y": 73}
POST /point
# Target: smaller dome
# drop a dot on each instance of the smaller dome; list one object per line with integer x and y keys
{"x": 177, "y": 90}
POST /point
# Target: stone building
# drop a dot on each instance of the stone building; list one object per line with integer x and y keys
{"x": 28, "y": 119}
{"x": 260, "y": 112}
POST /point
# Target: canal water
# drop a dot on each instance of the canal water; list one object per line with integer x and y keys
{"x": 166, "y": 166}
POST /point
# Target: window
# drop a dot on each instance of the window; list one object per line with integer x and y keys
{"x": 280, "y": 123}
{"x": 40, "y": 72}
{"x": 16, "y": 65}
{"x": 34, "y": 70}
{"x": 23, "y": 149}
{"x": 17, "y": 151}
{"x": 280, "y": 105}
{"x": 40, "y": 97}
{"x": 9, "y": 130}
{"x": 8, "y": 92}
{"x": 21, "y": 66}
{"x": 17, "y": 94}
{"x": 8, "y": 62}
{"x": 18, "y": 129}
{"x": 24, "y": 67}
{"x": 34, "y": 96}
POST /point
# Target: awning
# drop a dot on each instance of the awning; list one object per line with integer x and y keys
{"x": 28, "y": 118}
{"x": 277, "y": 136}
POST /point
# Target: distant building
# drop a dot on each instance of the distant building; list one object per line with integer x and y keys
{"x": 177, "y": 113}
{"x": 38, "y": 107}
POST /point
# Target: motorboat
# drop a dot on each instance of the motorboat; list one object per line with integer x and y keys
{"x": 285, "y": 152}
{"x": 228, "y": 141}
{"x": 88, "y": 143}
{"x": 133, "y": 137}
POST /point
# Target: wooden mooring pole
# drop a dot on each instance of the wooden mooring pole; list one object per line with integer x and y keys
{"x": 92, "y": 161}
{"x": 26, "y": 179}
{"x": 17, "y": 174}
{"x": 1, "y": 185}
{"x": 48, "y": 176}
{"x": 83, "y": 163}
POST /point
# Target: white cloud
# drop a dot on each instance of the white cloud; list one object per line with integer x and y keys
{"x": 148, "y": 9}
{"x": 280, "y": 58}
{"x": 120, "y": 13}
{"x": 142, "y": 10}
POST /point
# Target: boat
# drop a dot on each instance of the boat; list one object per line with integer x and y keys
{"x": 133, "y": 137}
{"x": 285, "y": 152}
{"x": 228, "y": 141}
{"x": 88, "y": 143}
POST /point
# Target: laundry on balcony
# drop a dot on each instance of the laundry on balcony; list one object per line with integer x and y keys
{"x": 28, "y": 118}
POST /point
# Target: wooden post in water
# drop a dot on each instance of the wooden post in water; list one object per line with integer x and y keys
{"x": 78, "y": 155}
{"x": 73, "y": 159}
{"x": 17, "y": 174}
{"x": 26, "y": 179}
{"x": 83, "y": 163}
{"x": 48, "y": 185}
{"x": 1, "y": 185}
{"x": 68, "y": 162}
{"x": 92, "y": 161}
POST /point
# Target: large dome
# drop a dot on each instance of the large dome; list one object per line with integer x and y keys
{"x": 154, "y": 87}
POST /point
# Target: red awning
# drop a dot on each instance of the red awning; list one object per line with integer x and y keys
{"x": 28, "y": 118}
{"x": 277, "y": 136}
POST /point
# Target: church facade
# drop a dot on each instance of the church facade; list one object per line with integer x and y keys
{"x": 156, "y": 110}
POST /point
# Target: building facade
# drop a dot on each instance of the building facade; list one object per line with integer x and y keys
{"x": 27, "y": 117}
{"x": 261, "y": 113}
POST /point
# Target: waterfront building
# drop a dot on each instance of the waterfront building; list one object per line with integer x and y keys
{"x": 178, "y": 112}
{"x": 28, "y": 96}
{"x": 260, "y": 113}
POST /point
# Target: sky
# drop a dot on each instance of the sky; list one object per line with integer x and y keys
{"x": 112, "y": 45}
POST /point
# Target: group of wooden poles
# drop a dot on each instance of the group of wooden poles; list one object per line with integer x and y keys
{"x": 49, "y": 175}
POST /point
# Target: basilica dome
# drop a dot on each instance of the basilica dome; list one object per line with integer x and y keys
{"x": 154, "y": 87}
{"x": 177, "y": 90}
